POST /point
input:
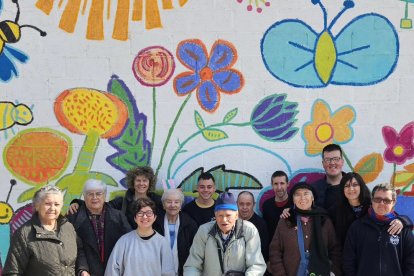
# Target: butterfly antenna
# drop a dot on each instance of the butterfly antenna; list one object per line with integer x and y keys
{"x": 12, "y": 183}
{"x": 348, "y": 4}
{"x": 42, "y": 33}
{"x": 325, "y": 14}
{"x": 18, "y": 11}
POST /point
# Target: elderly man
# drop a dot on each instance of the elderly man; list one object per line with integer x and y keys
{"x": 246, "y": 203}
{"x": 370, "y": 249}
{"x": 98, "y": 226}
{"x": 226, "y": 245}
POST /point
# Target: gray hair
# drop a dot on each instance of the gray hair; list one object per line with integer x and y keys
{"x": 94, "y": 184}
{"x": 385, "y": 187}
{"x": 43, "y": 192}
{"x": 176, "y": 192}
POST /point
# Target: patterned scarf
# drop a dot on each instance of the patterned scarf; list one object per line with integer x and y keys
{"x": 387, "y": 218}
{"x": 98, "y": 223}
{"x": 225, "y": 240}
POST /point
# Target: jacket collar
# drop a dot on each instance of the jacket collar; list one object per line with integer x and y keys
{"x": 43, "y": 233}
{"x": 238, "y": 231}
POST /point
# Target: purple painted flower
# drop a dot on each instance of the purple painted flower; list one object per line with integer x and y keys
{"x": 400, "y": 146}
{"x": 210, "y": 74}
{"x": 273, "y": 118}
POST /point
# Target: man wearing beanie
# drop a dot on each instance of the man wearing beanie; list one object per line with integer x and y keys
{"x": 227, "y": 246}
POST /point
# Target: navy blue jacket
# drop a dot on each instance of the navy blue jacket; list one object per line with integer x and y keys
{"x": 370, "y": 250}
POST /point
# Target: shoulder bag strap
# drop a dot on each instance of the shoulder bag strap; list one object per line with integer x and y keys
{"x": 220, "y": 255}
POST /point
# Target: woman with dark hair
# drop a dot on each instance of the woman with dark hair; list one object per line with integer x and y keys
{"x": 353, "y": 203}
{"x": 305, "y": 242}
{"x": 141, "y": 184}
{"x": 142, "y": 251}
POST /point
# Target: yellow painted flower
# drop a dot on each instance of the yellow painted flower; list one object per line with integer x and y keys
{"x": 327, "y": 127}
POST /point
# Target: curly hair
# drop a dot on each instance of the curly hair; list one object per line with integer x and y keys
{"x": 145, "y": 171}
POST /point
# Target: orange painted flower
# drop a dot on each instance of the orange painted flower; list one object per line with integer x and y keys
{"x": 81, "y": 110}
{"x": 327, "y": 127}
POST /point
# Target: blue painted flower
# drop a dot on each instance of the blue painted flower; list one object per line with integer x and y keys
{"x": 209, "y": 75}
{"x": 273, "y": 118}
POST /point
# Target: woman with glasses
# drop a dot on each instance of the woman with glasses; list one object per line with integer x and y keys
{"x": 142, "y": 251}
{"x": 369, "y": 247}
{"x": 99, "y": 226}
{"x": 178, "y": 227}
{"x": 353, "y": 203}
{"x": 305, "y": 242}
{"x": 46, "y": 244}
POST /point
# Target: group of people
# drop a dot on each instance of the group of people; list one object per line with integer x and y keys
{"x": 335, "y": 226}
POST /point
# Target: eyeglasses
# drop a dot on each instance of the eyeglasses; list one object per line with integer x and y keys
{"x": 50, "y": 188}
{"x": 384, "y": 200}
{"x": 147, "y": 213}
{"x": 332, "y": 160}
{"x": 349, "y": 185}
{"x": 97, "y": 194}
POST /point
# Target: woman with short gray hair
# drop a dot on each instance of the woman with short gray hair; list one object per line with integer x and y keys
{"x": 46, "y": 244}
{"x": 178, "y": 227}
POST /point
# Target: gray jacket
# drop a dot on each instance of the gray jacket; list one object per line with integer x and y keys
{"x": 37, "y": 252}
{"x": 242, "y": 253}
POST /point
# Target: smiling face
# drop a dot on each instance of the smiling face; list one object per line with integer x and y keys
{"x": 49, "y": 208}
{"x": 226, "y": 219}
{"x": 245, "y": 204}
{"x": 141, "y": 184}
{"x": 280, "y": 185}
{"x": 206, "y": 188}
{"x": 332, "y": 163}
{"x": 303, "y": 199}
{"x": 6, "y": 212}
{"x": 172, "y": 205}
{"x": 352, "y": 190}
{"x": 95, "y": 200}
{"x": 145, "y": 217}
{"x": 382, "y": 208}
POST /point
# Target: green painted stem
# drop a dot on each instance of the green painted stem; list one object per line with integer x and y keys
{"x": 394, "y": 169}
{"x": 189, "y": 138}
{"x": 348, "y": 162}
{"x": 154, "y": 119}
{"x": 87, "y": 152}
{"x": 406, "y": 10}
{"x": 170, "y": 131}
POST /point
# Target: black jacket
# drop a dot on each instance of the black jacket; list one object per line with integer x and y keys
{"x": 370, "y": 250}
{"x": 115, "y": 225}
{"x": 186, "y": 232}
{"x": 125, "y": 204}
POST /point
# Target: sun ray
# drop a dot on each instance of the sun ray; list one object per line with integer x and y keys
{"x": 70, "y": 16}
{"x": 137, "y": 10}
{"x": 152, "y": 14}
{"x": 120, "y": 31}
{"x": 45, "y": 5}
{"x": 95, "y": 21}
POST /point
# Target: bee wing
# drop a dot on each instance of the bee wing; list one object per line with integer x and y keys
{"x": 367, "y": 51}
{"x": 288, "y": 49}
{"x": 7, "y": 65}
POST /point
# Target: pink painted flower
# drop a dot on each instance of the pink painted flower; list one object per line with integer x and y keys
{"x": 400, "y": 146}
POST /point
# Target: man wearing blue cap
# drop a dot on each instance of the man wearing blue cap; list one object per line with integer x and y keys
{"x": 227, "y": 246}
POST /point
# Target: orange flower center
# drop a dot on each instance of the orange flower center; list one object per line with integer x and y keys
{"x": 398, "y": 150}
{"x": 324, "y": 132}
{"x": 206, "y": 74}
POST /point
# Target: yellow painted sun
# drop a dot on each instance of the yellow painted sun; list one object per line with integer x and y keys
{"x": 126, "y": 11}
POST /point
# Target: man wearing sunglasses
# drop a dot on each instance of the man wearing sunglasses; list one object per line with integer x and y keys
{"x": 370, "y": 249}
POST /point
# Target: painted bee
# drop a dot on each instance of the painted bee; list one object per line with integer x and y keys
{"x": 10, "y": 32}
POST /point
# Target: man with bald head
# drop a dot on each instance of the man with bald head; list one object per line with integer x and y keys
{"x": 246, "y": 203}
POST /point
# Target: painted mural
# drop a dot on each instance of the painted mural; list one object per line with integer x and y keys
{"x": 238, "y": 88}
{"x": 10, "y": 32}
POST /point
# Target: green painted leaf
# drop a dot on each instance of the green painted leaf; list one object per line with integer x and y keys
{"x": 115, "y": 194}
{"x": 198, "y": 120}
{"x": 214, "y": 134}
{"x": 230, "y": 115}
{"x": 225, "y": 179}
{"x": 28, "y": 194}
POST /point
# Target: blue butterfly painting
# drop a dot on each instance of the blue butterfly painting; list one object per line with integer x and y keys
{"x": 364, "y": 52}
